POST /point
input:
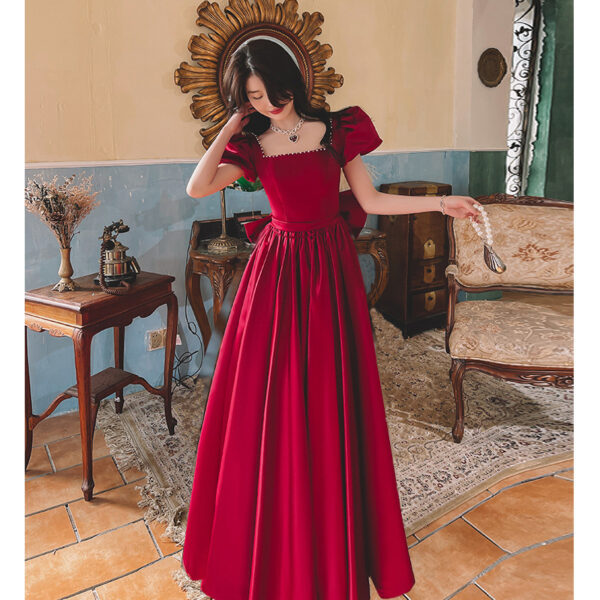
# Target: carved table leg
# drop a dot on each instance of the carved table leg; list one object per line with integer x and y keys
{"x": 82, "y": 344}
{"x": 192, "y": 285}
{"x": 457, "y": 372}
{"x": 212, "y": 351}
{"x": 172, "y": 317}
{"x": 119, "y": 347}
{"x": 221, "y": 277}
{"x": 28, "y": 408}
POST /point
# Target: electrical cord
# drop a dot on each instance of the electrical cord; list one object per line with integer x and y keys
{"x": 186, "y": 357}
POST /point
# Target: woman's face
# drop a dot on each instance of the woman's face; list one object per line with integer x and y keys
{"x": 257, "y": 95}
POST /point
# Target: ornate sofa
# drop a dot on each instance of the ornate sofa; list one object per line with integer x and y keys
{"x": 527, "y": 335}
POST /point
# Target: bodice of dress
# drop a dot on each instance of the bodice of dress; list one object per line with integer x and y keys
{"x": 304, "y": 186}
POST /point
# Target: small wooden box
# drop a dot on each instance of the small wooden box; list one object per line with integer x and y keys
{"x": 415, "y": 298}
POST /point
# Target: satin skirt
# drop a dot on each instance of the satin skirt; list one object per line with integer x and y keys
{"x": 294, "y": 494}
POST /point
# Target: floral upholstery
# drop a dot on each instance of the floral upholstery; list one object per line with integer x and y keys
{"x": 535, "y": 243}
{"x": 521, "y": 328}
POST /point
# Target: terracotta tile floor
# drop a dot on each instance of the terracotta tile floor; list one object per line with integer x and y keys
{"x": 511, "y": 541}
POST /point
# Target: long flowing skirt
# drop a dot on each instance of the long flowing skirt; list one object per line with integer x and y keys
{"x": 294, "y": 494}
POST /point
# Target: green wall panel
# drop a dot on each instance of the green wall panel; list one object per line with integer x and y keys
{"x": 487, "y": 173}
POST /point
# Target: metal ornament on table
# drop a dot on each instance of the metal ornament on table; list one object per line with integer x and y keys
{"x": 116, "y": 268}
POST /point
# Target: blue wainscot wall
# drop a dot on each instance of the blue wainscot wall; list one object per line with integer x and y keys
{"x": 151, "y": 199}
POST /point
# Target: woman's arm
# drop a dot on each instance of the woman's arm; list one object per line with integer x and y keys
{"x": 209, "y": 176}
{"x": 379, "y": 203}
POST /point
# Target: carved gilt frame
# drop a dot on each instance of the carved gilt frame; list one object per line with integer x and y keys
{"x": 238, "y": 22}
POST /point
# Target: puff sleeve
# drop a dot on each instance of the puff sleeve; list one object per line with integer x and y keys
{"x": 358, "y": 134}
{"x": 238, "y": 151}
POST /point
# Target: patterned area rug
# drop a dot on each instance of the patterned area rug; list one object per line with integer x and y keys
{"x": 509, "y": 428}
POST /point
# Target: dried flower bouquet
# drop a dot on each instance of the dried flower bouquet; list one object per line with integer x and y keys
{"x": 62, "y": 207}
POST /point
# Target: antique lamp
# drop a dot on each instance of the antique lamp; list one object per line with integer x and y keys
{"x": 225, "y": 243}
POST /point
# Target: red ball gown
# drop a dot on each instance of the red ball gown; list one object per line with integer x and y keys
{"x": 294, "y": 494}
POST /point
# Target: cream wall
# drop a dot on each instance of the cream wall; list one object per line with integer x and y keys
{"x": 105, "y": 92}
{"x": 492, "y": 28}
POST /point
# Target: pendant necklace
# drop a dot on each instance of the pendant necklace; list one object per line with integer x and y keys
{"x": 492, "y": 260}
{"x": 291, "y": 133}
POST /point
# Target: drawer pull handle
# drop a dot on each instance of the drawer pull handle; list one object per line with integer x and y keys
{"x": 428, "y": 273}
{"x": 429, "y": 301}
{"x": 429, "y": 249}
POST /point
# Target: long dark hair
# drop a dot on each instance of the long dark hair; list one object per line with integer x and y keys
{"x": 282, "y": 80}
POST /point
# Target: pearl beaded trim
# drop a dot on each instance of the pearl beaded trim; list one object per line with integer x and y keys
{"x": 487, "y": 239}
{"x": 291, "y": 153}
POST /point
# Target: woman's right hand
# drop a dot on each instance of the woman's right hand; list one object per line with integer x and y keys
{"x": 239, "y": 119}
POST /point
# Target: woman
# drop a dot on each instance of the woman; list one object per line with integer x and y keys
{"x": 294, "y": 494}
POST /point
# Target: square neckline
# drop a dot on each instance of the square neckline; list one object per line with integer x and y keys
{"x": 262, "y": 151}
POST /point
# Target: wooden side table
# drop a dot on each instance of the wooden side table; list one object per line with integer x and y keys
{"x": 80, "y": 315}
{"x": 221, "y": 270}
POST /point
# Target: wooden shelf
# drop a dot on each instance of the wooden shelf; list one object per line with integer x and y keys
{"x": 105, "y": 383}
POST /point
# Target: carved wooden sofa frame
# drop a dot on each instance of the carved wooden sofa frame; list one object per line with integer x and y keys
{"x": 538, "y": 375}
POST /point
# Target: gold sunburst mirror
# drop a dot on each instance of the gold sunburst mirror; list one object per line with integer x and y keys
{"x": 238, "y": 22}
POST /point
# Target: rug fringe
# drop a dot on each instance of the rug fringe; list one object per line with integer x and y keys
{"x": 117, "y": 439}
{"x": 189, "y": 586}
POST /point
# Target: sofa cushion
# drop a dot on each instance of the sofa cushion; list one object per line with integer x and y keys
{"x": 535, "y": 243}
{"x": 521, "y": 328}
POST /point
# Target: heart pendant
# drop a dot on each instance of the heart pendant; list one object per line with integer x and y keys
{"x": 293, "y": 138}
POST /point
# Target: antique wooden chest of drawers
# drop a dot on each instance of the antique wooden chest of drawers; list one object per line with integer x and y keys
{"x": 415, "y": 298}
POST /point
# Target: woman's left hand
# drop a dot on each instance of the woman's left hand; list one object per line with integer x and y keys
{"x": 461, "y": 207}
